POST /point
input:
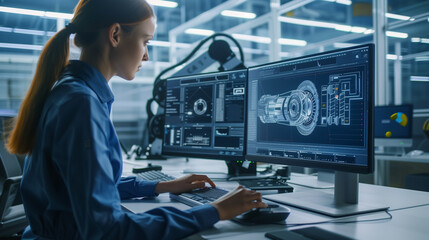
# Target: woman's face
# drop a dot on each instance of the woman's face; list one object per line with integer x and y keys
{"x": 132, "y": 49}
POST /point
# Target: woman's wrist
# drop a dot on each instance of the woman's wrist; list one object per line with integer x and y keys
{"x": 162, "y": 187}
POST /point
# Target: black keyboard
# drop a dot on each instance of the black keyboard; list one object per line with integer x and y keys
{"x": 267, "y": 184}
{"x": 199, "y": 196}
{"x": 154, "y": 176}
{"x": 194, "y": 198}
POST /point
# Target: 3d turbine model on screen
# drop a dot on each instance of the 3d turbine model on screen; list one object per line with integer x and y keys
{"x": 298, "y": 108}
{"x": 200, "y": 106}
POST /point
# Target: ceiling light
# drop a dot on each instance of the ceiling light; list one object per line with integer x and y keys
{"x": 68, "y": 16}
{"x": 162, "y": 3}
{"x": 422, "y": 59}
{"x": 196, "y": 31}
{"x": 345, "y": 2}
{"x": 5, "y": 29}
{"x": 369, "y": 31}
{"x": 21, "y": 46}
{"x": 419, "y": 78}
{"x": 396, "y": 34}
{"x": 252, "y": 38}
{"x": 344, "y": 45}
{"x": 37, "y": 13}
{"x": 29, "y": 31}
{"x": 339, "y": 27}
{"x": 238, "y": 14}
{"x": 292, "y": 42}
{"x": 424, "y": 40}
{"x": 397, "y": 16}
{"x": 415, "y": 39}
{"x": 392, "y": 57}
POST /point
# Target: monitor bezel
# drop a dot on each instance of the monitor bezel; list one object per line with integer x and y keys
{"x": 327, "y": 165}
{"x": 212, "y": 156}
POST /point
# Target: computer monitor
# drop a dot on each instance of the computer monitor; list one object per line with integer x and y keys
{"x": 205, "y": 115}
{"x": 393, "y": 126}
{"x": 316, "y": 111}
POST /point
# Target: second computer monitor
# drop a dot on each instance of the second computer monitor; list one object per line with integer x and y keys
{"x": 205, "y": 115}
{"x": 393, "y": 126}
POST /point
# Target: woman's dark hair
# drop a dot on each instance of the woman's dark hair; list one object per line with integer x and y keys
{"x": 89, "y": 17}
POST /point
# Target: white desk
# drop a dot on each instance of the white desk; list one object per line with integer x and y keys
{"x": 410, "y": 210}
{"x": 381, "y": 175}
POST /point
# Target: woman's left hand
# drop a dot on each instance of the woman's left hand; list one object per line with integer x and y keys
{"x": 184, "y": 184}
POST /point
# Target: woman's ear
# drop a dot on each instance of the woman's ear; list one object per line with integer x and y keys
{"x": 114, "y": 34}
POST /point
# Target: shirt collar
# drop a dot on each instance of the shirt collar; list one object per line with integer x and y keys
{"x": 95, "y": 80}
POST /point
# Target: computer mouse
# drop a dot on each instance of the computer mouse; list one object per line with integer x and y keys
{"x": 415, "y": 153}
{"x": 272, "y": 214}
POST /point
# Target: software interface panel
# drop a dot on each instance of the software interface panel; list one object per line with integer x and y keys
{"x": 205, "y": 114}
{"x": 311, "y": 108}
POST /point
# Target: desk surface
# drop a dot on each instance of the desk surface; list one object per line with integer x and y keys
{"x": 410, "y": 209}
{"x": 424, "y": 158}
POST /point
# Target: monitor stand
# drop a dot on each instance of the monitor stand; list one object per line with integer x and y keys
{"x": 343, "y": 202}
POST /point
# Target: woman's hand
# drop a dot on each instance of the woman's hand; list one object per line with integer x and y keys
{"x": 238, "y": 201}
{"x": 184, "y": 184}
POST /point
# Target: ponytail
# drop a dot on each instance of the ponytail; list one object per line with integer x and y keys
{"x": 52, "y": 61}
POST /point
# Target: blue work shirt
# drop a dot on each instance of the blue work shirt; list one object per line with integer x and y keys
{"x": 72, "y": 186}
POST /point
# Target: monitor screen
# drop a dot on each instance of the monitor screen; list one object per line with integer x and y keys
{"x": 313, "y": 111}
{"x": 393, "y": 125}
{"x": 205, "y": 115}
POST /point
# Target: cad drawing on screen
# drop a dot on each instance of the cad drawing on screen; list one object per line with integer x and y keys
{"x": 298, "y": 108}
{"x": 301, "y": 107}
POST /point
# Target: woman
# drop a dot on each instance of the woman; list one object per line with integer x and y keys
{"x": 72, "y": 185}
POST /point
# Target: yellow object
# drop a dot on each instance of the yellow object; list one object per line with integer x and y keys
{"x": 400, "y": 118}
{"x": 426, "y": 128}
{"x": 388, "y": 134}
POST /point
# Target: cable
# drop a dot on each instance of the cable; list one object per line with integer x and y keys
{"x": 339, "y": 221}
{"x": 191, "y": 54}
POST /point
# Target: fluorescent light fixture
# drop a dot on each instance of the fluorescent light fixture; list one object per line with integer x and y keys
{"x": 167, "y": 44}
{"x": 369, "y": 31}
{"x": 419, "y": 40}
{"x": 345, "y": 2}
{"x": 292, "y": 42}
{"x": 396, "y": 34}
{"x": 419, "y": 78}
{"x": 238, "y": 14}
{"x": 267, "y": 40}
{"x": 21, "y": 46}
{"x": 339, "y": 27}
{"x": 424, "y": 40}
{"x": 22, "y": 11}
{"x": 358, "y": 29}
{"x": 5, "y": 29}
{"x": 252, "y": 38}
{"x": 307, "y": 22}
{"x": 197, "y": 31}
{"x": 36, "y": 13}
{"x": 68, "y": 16}
{"x": 397, "y": 16}
{"x": 344, "y": 28}
{"x": 422, "y": 59}
{"x": 29, "y": 31}
{"x": 392, "y": 57}
{"x": 162, "y": 3}
{"x": 415, "y": 39}
{"x": 344, "y": 45}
